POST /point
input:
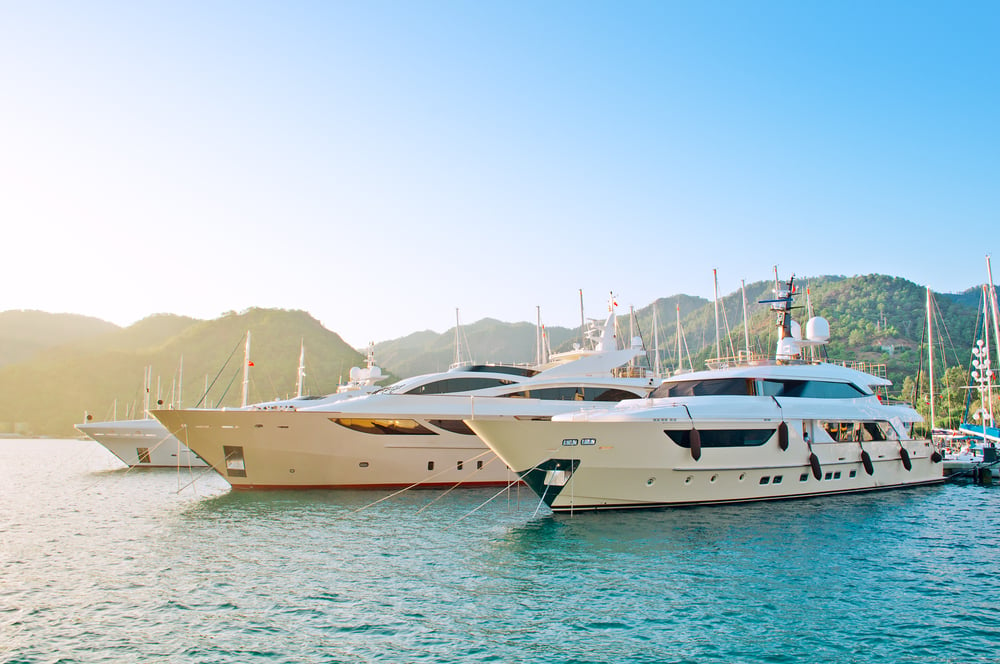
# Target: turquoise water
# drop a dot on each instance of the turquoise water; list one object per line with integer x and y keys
{"x": 102, "y": 564}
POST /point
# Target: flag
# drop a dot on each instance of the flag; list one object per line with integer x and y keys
{"x": 250, "y": 363}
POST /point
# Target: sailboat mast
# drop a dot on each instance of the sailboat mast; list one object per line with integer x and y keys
{"x": 718, "y": 347}
{"x": 538, "y": 336}
{"x": 680, "y": 357}
{"x": 147, "y": 380}
{"x": 993, "y": 305}
{"x": 458, "y": 341}
{"x": 986, "y": 362}
{"x": 180, "y": 381}
{"x": 746, "y": 326}
{"x": 583, "y": 324}
{"x": 302, "y": 368}
{"x": 246, "y": 371}
{"x": 930, "y": 353}
{"x": 656, "y": 346}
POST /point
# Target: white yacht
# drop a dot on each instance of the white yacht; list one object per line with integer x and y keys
{"x": 142, "y": 442}
{"x": 783, "y": 428}
{"x": 410, "y": 433}
{"x": 147, "y": 443}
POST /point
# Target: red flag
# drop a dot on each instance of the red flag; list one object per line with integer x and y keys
{"x": 250, "y": 363}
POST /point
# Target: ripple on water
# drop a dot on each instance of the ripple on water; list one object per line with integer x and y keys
{"x": 101, "y": 565}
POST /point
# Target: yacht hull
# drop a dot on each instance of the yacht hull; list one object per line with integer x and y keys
{"x": 637, "y": 465}
{"x": 141, "y": 443}
{"x": 310, "y": 450}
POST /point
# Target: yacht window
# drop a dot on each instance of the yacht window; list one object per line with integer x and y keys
{"x": 699, "y": 388}
{"x": 386, "y": 427}
{"x": 465, "y": 384}
{"x": 810, "y": 389}
{"x": 853, "y": 432}
{"x": 501, "y": 368}
{"x": 454, "y": 426}
{"x": 574, "y": 394}
{"x": 722, "y": 437}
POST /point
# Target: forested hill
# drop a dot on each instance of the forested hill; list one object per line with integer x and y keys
{"x": 25, "y": 333}
{"x": 103, "y": 374}
{"x": 56, "y": 367}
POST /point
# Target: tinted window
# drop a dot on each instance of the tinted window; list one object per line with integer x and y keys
{"x": 722, "y": 437}
{"x": 387, "y": 427}
{"x": 465, "y": 384}
{"x": 700, "y": 388}
{"x": 503, "y": 369}
{"x": 847, "y": 432}
{"x": 454, "y": 426}
{"x": 575, "y": 394}
{"x": 812, "y": 389}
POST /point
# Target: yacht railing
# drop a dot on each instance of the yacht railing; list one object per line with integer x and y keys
{"x": 741, "y": 359}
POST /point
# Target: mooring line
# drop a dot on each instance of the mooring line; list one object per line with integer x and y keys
{"x": 457, "y": 484}
{"x": 415, "y": 484}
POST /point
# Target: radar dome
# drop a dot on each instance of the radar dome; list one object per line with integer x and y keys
{"x": 818, "y": 329}
{"x": 796, "y": 330}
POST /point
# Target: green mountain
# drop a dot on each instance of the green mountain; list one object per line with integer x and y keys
{"x": 56, "y": 367}
{"x": 25, "y": 333}
{"x": 103, "y": 376}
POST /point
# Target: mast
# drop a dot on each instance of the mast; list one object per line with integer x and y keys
{"x": 538, "y": 335}
{"x": 147, "y": 384}
{"x": 746, "y": 324}
{"x": 246, "y": 370}
{"x": 986, "y": 362}
{"x": 680, "y": 357}
{"x": 458, "y": 341}
{"x": 180, "y": 381}
{"x": 583, "y": 325}
{"x": 930, "y": 353}
{"x": 631, "y": 333}
{"x": 302, "y": 368}
{"x": 656, "y": 346}
{"x": 993, "y": 305}
{"x": 718, "y": 348}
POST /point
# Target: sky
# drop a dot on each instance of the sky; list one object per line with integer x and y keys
{"x": 384, "y": 164}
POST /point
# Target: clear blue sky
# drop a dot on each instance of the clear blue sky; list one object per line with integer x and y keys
{"x": 380, "y": 164}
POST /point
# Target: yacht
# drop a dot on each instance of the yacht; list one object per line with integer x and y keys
{"x": 409, "y": 433}
{"x": 141, "y": 442}
{"x": 761, "y": 430}
{"x": 147, "y": 443}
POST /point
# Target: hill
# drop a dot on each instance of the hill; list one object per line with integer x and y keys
{"x": 24, "y": 333}
{"x": 103, "y": 375}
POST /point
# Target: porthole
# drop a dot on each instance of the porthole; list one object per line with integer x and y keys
{"x": 687, "y": 480}
{"x": 803, "y": 477}
{"x": 363, "y": 464}
{"x": 765, "y": 479}
{"x": 713, "y": 478}
{"x": 743, "y": 476}
{"x": 291, "y": 471}
{"x": 651, "y": 481}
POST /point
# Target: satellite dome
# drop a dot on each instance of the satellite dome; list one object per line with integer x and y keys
{"x": 818, "y": 329}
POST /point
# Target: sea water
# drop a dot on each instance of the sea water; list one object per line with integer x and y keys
{"x": 99, "y": 563}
